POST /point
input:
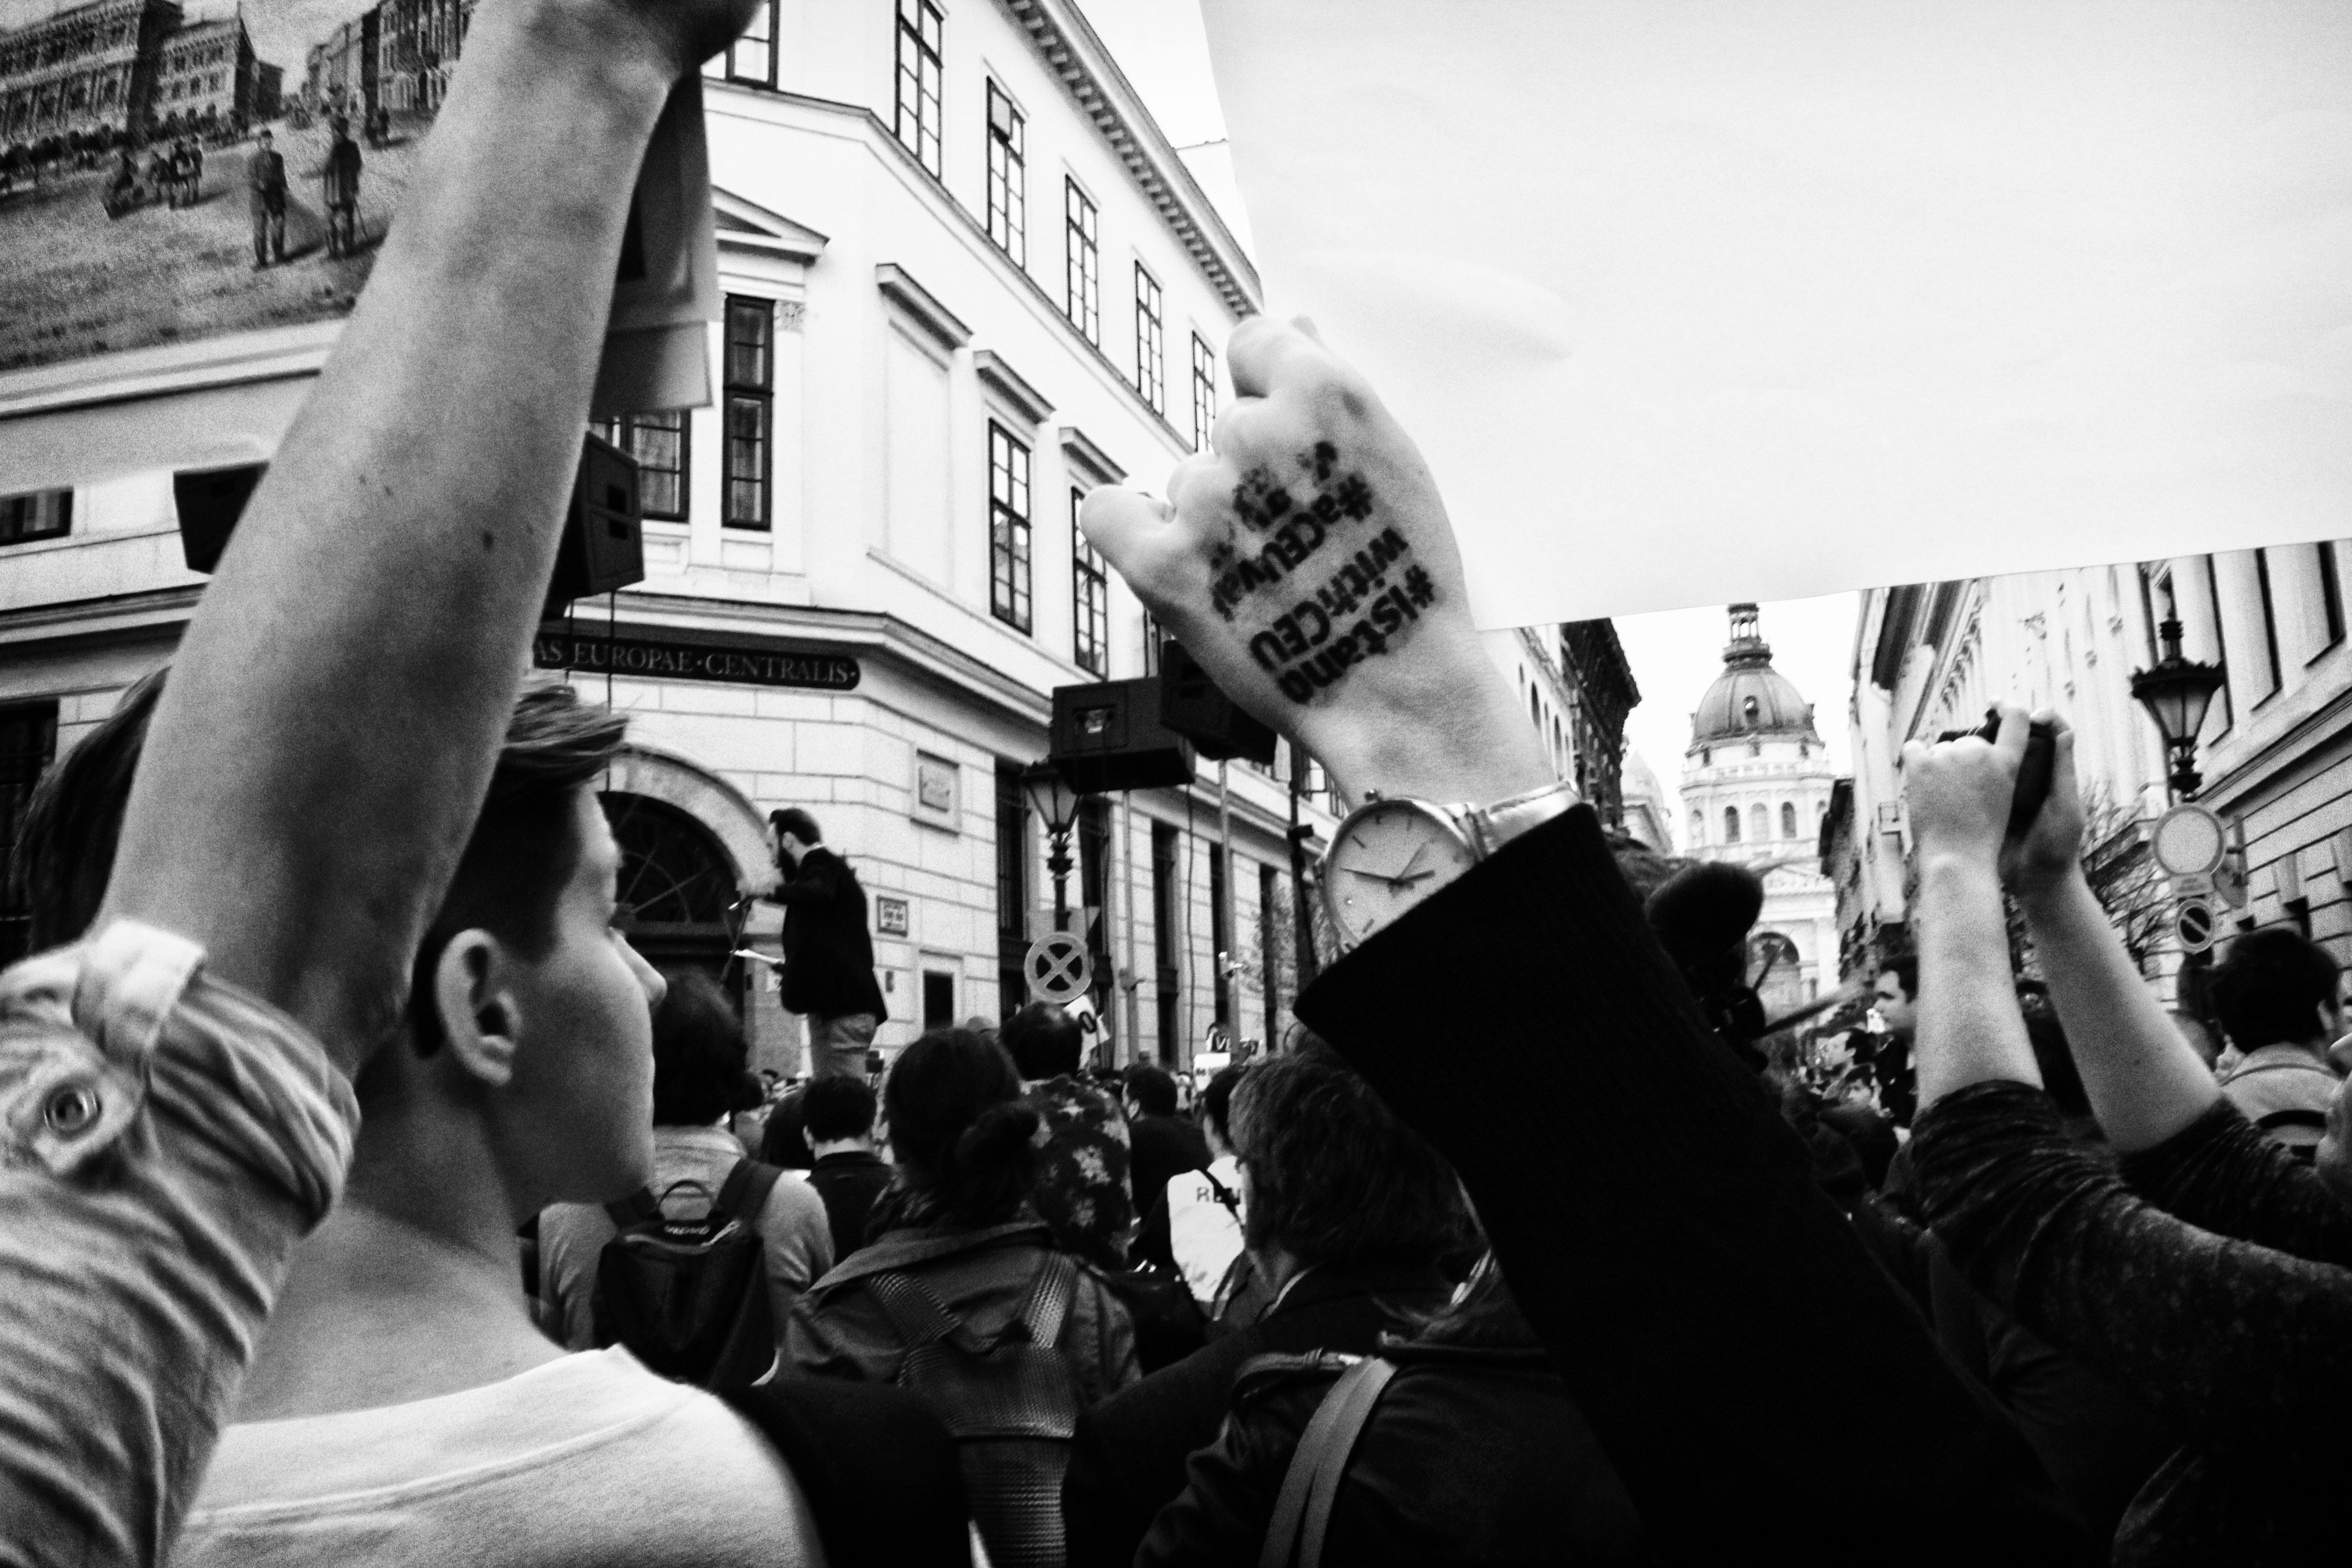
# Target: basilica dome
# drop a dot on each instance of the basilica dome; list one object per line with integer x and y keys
{"x": 1751, "y": 700}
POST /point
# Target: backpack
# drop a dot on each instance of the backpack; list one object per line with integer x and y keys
{"x": 1012, "y": 1406}
{"x": 1302, "y": 1512}
{"x": 688, "y": 1297}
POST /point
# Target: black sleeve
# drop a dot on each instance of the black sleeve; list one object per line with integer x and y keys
{"x": 1661, "y": 1229}
{"x": 1152, "y": 1243}
{"x": 816, "y": 882}
{"x": 2234, "y": 1345}
{"x": 2221, "y": 1173}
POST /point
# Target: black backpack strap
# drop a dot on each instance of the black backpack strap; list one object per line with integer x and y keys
{"x": 638, "y": 1208}
{"x": 919, "y": 1315}
{"x": 882, "y": 1477}
{"x": 1229, "y": 1199}
{"x": 1049, "y": 1297}
{"x": 1302, "y": 1514}
{"x": 745, "y": 1192}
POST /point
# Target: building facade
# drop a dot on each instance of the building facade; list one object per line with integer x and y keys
{"x": 2275, "y": 753}
{"x": 1757, "y": 782}
{"x": 966, "y": 279}
{"x": 126, "y": 68}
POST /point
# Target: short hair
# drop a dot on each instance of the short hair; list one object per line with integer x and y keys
{"x": 2271, "y": 987}
{"x": 1151, "y": 1087}
{"x": 837, "y": 1106}
{"x": 1334, "y": 1177}
{"x": 959, "y": 1128}
{"x": 1045, "y": 1040}
{"x": 1905, "y": 970}
{"x": 521, "y": 853}
{"x": 792, "y": 819}
{"x": 700, "y": 1071}
{"x": 1217, "y": 1099}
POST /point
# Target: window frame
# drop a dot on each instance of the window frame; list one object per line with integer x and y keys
{"x": 756, "y": 394}
{"x": 1007, "y": 219}
{"x": 2268, "y": 605}
{"x": 915, "y": 20}
{"x": 1082, "y": 261}
{"x": 623, "y": 432}
{"x": 1089, "y": 598}
{"x": 1151, "y": 340}
{"x": 731, "y": 70}
{"x": 1152, "y": 637}
{"x": 1204, "y": 391}
{"x": 1011, "y": 562}
{"x": 20, "y": 522}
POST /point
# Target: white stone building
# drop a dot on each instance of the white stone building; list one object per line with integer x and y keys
{"x": 1756, "y": 788}
{"x": 966, "y": 278}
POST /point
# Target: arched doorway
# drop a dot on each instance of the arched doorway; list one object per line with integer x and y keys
{"x": 677, "y": 889}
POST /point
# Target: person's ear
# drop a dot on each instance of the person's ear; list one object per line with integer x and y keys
{"x": 473, "y": 994}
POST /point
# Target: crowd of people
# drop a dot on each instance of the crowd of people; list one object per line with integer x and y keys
{"x": 1528, "y": 1252}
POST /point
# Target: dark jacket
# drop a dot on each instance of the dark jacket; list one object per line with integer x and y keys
{"x": 1162, "y": 1147}
{"x": 849, "y": 1184}
{"x": 838, "y": 1329}
{"x": 1129, "y": 1459}
{"x": 1682, "y": 1266}
{"x": 1471, "y": 1456}
{"x": 829, "y": 952}
{"x": 2211, "y": 1275}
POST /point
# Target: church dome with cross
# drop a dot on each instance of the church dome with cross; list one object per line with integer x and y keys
{"x": 1756, "y": 787}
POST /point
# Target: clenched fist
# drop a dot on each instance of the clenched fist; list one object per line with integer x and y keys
{"x": 1306, "y": 561}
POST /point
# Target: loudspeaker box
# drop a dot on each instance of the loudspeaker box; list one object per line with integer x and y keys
{"x": 1193, "y": 705}
{"x": 1107, "y": 736}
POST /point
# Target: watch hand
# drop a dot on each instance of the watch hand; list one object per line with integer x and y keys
{"x": 1419, "y": 850}
{"x": 1403, "y": 881}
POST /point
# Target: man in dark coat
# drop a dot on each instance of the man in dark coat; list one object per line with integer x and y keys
{"x": 1164, "y": 1145}
{"x": 341, "y": 189}
{"x": 829, "y": 952}
{"x": 1356, "y": 1219}
{"x": 265, "y": 177}
{"x": 838, "y": 1113}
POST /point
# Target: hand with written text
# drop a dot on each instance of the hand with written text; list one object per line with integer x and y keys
{"x": 1306, "y": 561}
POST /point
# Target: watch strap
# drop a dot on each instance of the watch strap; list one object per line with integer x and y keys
{"x": 1492, "y": 827}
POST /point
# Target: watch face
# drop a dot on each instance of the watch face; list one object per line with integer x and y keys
{"x": 1388, "y": 857}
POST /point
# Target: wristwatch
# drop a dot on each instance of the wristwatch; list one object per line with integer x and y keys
{"x": 1391, "y": 854}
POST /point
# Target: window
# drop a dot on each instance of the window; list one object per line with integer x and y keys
{"x": 2331, "y": 592}
{"x": 752, "y": 56}
{"x": 1008, "y": 528}
{"x": 1760, "y": 823}
{"x": 938, "y": 999}
{"x": 1166, "y": 978}
{"x": 2220, "y": 646}
{"x": 658, "y": 441}
{"x": 918, "y": 81}
{"x": 1011, "y": 888}
{"x": 1788, "y": 820}
{"x": 750, "y": 407}
{"x": 29, "y": 743}
{"x": 1731, "y": 824}
{"x": 1083, "y": 284}
{"x": 38, "y": 514}
{"x": 1698, "y": 828}
{"x": 1151, "y": 351}
{"x": 2270, "y": 616}
{"x": 1150, "y": 643}
{"x": 1205, "y": 393}
{"x": 1089, "y": 598}
{"x": 1008, "y": 177}
{"x": 1220, "y": 942}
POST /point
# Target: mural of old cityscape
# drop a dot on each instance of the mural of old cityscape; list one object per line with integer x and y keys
{"x": 169, "y": 171}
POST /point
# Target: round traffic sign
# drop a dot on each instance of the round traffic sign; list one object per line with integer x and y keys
{"x": 1058, "y": 968}
{"x": 2194, "y": 925}
{"x": 2188, "y": 840}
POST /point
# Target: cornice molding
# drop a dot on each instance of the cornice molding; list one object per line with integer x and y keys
{"x": 1026, "y": 400}
{"x": 898, "y": 286}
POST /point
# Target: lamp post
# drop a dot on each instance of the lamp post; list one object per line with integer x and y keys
{"x": 1052, "y": 798}
{"x": 2176, "y": 693}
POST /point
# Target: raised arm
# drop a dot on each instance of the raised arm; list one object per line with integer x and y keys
{"x": 2145, "y": 1082}
{"x": 337, "y": 703}
{"x": 1970, "y": 1030}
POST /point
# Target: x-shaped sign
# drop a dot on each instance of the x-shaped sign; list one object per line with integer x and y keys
{"x": 1059, "y": 967}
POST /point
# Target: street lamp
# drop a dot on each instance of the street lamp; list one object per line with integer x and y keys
{"x": 2177, "y": 693}
{"x": 1051, "y": 797}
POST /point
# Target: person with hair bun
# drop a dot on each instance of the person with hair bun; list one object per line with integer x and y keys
{"x": 956, "y": 1218}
